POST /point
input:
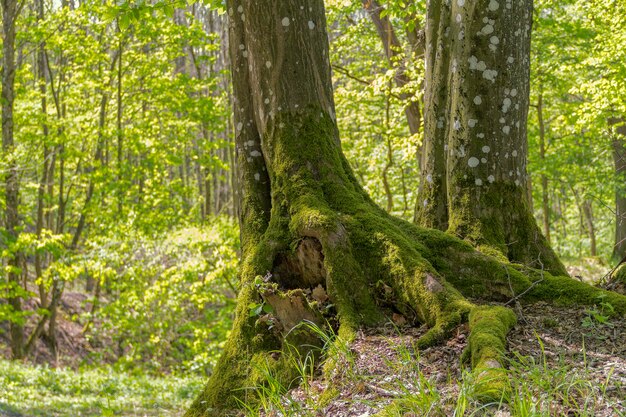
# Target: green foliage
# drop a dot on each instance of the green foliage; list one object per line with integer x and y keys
{"x": 43, "y": 391}
{"x": 169, "y": 298}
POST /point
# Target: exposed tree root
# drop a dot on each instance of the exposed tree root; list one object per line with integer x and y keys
{"x": 330, "y": 254}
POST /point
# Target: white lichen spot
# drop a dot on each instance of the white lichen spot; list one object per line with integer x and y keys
{"x": 485, "y": 20}
{"x": 286, "y": 21}
{"x": 479, "y": 182}
{"x": 514, "y": 92}
{"x": 490, "y": 75}
{"x": 514, "y": 153}
{"x": 494, "y": 40}
{"x": 487, "y": 29}
{"x": 242, "y": 46}
{"x": 425, "y": 203}
{"x": 239, "y": 126}
{"x": 457, "y": 124}
{"x": 250, "y": 143}
{"x": 472, "y": 122}
{"x": 429, "y": 178}
{"x": 267, "y": 101}
{"x": 461, "y": 35}
{"x": 473, "y": 162}
{"x": 480, "y": 135}
{"x": 491, "y": 179}
{"x": 243, "y": 17}
{"x": 311, "y": 25}
{"x": 478, "y": 100}
{"x": 483, "y": 160}
{"x": 240, "y": 9}
{"x": 481, "y": 66}
{"x": 461, "y": 3}
{"x": 255, "y": 154}
{"x": 486, "y": 149}
{"x": 517, "y": 183}
{"x": 268, "y": 64}
{"x": 245, "y": 54}
{"x": 506, "y": 103}
{"x": 440, "y": 123}
{"x": 458, "y": 18}
{"x": 257, "y": 176}
{"x": 510, "y": 60}
{"x": 502, "y": 120}
{"x": 506, "y": 130}
{"x": 494, "y": 5}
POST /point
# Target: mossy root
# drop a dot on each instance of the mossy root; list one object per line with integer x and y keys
{"x": 489, "y": 326}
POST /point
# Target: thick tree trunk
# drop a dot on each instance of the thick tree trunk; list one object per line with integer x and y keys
{"x": 619, "y": 160}
{"x": 474, "y": 176}
{"x": 316, "y": 248}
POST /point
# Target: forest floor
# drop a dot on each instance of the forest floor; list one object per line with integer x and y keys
{"x": 562, "y": 362}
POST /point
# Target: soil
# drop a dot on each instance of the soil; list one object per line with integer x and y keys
{"x": 569, "y": 348}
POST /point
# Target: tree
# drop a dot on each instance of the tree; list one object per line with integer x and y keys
{"x": 309, "y": 231}
{"x": 474, "y": 177}
{"x": 619, "y": 160}
{"x": 10, "y": 12}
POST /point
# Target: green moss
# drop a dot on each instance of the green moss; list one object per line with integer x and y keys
{"x": 489, "y": 326}
{"x": 568, "y": 291}
{"x": 315, "y": 195}
{"x": 500, "y": 221}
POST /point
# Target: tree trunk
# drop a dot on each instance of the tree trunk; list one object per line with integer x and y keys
{"x": 316, "y": 248}
{"x": 474, "y": 178}
{"x": 393, "y": 52}
{"x": 591, "y": 230}
{"x": 619, "y": 160}
{"x": 545, "y": 198}
{"x": 10, "y": 12}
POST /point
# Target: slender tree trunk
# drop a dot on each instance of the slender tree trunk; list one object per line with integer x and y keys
{"x": 11, "y": 177}
{"x": 393, "y": 51}
{"x": 120, "y": 129}
{"x": 591, "y": 230}
{"x": 474, "y": 177}
{"x": 619, "y": 161}
{"x": 545, "y": 198}
{"x": 44, "y": 182}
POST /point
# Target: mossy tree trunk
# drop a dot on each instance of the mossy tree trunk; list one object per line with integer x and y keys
{"x": 315, "y": 246}
{"x": 474, "y": 177}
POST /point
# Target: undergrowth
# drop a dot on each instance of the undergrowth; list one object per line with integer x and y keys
{"x": 538, "y": 388}
{"x": 35, "y": 391}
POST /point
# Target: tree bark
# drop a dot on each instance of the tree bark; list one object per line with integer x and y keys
{"x": 10, "y": 13}
{"x": 619, "y": 161}
{"x": 474, "y": 177}
{"x": 545, "y": 198}
{"x": 393, "y": 52}
{"x": 308, "y": 227}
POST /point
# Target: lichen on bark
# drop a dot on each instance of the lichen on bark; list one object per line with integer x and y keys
{"x": 317, "y": 249}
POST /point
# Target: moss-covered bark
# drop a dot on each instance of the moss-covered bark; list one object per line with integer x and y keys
{"x": 474, "y": 176}
{"x": 315, "y": 246}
